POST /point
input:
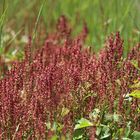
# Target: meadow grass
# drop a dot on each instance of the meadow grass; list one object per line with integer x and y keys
{"x": 102, "y": 17}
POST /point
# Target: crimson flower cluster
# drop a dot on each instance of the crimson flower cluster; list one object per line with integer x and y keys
{"x": 64, "y": 81}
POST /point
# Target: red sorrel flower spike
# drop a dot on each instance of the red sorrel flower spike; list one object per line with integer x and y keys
{"x": 62, "y": 26}
{"x": 28, "y": 50}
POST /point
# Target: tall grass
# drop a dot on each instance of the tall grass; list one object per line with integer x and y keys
{"x": 2, "y": 20}
{"x": 102, "y": 16}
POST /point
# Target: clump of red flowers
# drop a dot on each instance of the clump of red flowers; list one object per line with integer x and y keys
{"x": 62, "y": 82}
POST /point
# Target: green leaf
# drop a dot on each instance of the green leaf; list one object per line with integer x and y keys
{"x": 126, "y": 139}
{"x": 135, "y": 93}
{"x": 98, "y": 131}
{"x": 105, "y": 132}
{"x": 95, "y": 114}
{"x": 138, "y": 109}
{"x": 65, "y": 111}
{"x": 116, "y": 117}
{"x": 128, "y": 129}
{"x": 78, "y": 134}
{"x": 55, "y": 137}
{"x": 136, "y": 135}
{"x": 118, "y": 82}
{"x": 105, "y": 136}
{"x": 136, "y": 85}
{"x": 135, "y": 64}
{"x": 89, "y": 95}
{"x": 54, "y": 127}
{"x": 83, "y": 123}
{"x": 108, "y": 117}
{"x": 48, "y": 125}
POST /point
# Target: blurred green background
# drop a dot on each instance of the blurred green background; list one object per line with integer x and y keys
{"x": 21, "y": 18}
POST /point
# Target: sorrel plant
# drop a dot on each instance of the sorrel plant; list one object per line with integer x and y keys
{"x": 53, "y": 87}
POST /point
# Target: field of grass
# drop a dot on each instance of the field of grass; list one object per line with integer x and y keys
{"x": 22, "y": 18}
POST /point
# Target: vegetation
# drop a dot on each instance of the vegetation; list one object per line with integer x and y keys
{"x": 61, "y": 88}
{"x": 62, "y": 84}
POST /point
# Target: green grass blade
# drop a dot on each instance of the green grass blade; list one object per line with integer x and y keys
{"x": 37, "y": 20}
